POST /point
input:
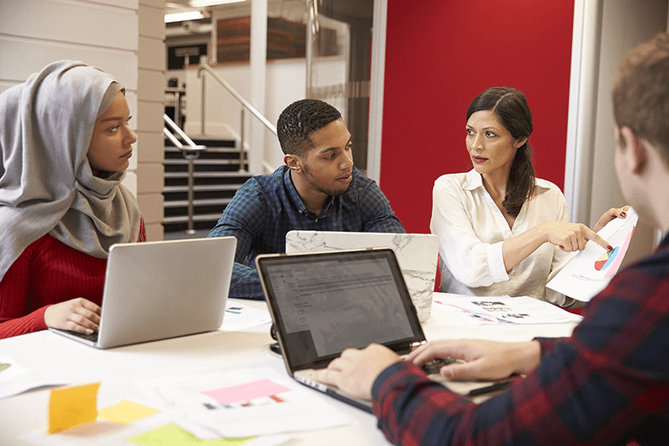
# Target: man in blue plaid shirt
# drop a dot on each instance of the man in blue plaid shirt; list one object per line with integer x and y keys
{"x": 318, "y": 188}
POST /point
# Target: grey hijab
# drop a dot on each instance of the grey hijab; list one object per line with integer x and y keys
{"x": 46, "y": 182}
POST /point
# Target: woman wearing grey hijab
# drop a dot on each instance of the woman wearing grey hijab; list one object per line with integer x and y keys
{"x": 65, "y": 145}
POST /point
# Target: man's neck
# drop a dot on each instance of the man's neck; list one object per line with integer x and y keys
{"x": 314, "y": 200}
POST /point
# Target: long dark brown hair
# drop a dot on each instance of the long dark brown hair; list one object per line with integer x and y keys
{"x": 510, "y": 107}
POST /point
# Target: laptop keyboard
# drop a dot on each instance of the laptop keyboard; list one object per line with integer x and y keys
{"x": 432, "y": 367}
{"x": 93, "y": 337}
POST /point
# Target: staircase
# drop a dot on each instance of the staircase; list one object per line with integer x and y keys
{"x": 217, "y": 178}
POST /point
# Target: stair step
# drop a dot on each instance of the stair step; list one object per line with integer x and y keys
{"x": 196, "y": 217}
{"x": 209, "y": 142}
{"x": 173, "y": 149}
{"x": 217, "y": 178}
{"x": 203, "y": 188}
{"x": 208, "y": 174}
{"x": 196, "y": 203}
{"x": 200, "y": 162}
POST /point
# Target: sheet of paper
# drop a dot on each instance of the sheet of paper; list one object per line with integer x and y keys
{"x": 239, "y": 316}
{"x": 470, "y": 316}
{"x": 509, "y": 310}
{"x": 231, "y": 403}
{"x": 72, "y": 406}
{"x": 15, "y": 379}
{"x": 126, "y": 412}
{"x": 591, "y": 270}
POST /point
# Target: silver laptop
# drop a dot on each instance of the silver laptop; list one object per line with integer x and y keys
{"x": 417, "y": 255}
{"x": 160, "y": 290}
{"x": 323, "y": 303}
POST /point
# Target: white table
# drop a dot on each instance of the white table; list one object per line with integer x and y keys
{"x": 74, "y": 363}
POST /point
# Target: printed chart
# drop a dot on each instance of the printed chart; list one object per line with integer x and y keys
{"x": 593, "y": 268}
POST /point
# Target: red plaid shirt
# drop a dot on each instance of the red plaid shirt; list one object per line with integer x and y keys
{"x": 606, "y": 384}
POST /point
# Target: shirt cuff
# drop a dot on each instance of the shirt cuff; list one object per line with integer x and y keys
{"x": 547, "y": 345}
{"x": 496, "y": 263}
{"x": 393, "y": 373}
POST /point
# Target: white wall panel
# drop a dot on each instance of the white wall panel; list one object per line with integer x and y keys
{"x": 151, "y": 54}
{"x": 121, "y": 64}
{"x": 128, "y": 4}
{"x": 74, "y": 22}
{"x": 153, "y": 22}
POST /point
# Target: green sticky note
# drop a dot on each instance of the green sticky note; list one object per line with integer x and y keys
{"x": 173, "y": 435}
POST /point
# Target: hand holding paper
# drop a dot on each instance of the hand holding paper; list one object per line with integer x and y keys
{"x": 593, "y": 268}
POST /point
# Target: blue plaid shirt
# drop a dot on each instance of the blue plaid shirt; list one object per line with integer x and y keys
{"x": 266, "y": 207}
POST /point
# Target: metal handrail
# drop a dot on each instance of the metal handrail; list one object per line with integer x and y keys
{"x": 190, "y": 152}
{"x": 206, "y": 67}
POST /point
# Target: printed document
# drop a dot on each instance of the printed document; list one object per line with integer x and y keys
{"x": 592, "y": 269}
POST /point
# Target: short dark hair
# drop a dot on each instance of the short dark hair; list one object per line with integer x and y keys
{"x": 641, "y": 93}
{"x": 299, "y": 120}
{"x": 510, "y": 107}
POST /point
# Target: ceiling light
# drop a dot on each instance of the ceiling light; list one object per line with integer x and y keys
{"x": 183, "y": 16}
{"x": 201, "y": 3}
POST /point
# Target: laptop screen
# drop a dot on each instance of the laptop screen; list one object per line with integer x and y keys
{"x": 324, "y": 303}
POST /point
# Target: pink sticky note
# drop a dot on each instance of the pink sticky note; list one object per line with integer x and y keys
{"x": 246, "y": 392}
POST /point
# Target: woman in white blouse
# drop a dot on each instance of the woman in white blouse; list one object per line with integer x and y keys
{"x": 502, "y": 231}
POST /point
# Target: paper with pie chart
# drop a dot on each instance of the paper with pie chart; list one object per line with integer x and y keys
{"x": 592, "y": 269}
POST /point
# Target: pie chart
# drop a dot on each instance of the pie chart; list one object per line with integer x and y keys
{"x": 606, "y": 259}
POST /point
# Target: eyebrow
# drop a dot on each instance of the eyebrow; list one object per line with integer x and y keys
{"x": 484, "y": 128}
{"x": 114, "y": 118}
{"x": 332, "y": 149}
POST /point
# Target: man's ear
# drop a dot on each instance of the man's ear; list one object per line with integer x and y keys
{"x": 293, "y": 162}
{"x": 638, "y": 150}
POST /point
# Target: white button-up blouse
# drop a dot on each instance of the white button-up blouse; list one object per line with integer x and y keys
{"x": 471, "y": 230}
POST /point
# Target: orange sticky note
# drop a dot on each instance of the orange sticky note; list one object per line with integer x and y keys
{"x": 72, "y": 406}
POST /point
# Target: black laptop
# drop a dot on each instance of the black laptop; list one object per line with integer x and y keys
{"x": 323, "y": 303}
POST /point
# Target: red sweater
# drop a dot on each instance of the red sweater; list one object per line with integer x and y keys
{"x": 47, "y": 272}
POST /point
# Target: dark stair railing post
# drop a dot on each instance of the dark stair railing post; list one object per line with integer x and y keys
{"x": 241, "y": 143}
{"x": 191, "y": 157}
{"x": 191, "y": 152}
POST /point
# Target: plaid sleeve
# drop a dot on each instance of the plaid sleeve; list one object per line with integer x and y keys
{"x": 607, "y": 384}
{"x": 243, "y": 218}
{"x": 377, "y": 215}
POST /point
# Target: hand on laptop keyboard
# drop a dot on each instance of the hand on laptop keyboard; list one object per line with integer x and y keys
{"x": 433, "y": 366}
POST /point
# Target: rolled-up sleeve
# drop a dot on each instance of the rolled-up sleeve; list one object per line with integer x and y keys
{"x": 472, "y": 261}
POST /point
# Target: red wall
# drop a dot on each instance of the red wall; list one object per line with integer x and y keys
{"x": 440, "y": 54}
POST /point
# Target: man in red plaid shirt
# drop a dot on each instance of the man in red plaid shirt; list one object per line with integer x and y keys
{"x": 606, "y": 384}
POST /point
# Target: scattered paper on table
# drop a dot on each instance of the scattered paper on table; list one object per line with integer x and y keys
{"x": 239, "y": 316}
{"x": 591, "y": 270}
{"x": 230, "y": 404}
{"x": 506, "y": 310}
{"x": 126, "y": 412}
{"x": 247, "y": 391}
{"x": 72, "y": 406}
{"x": 15, "y": 379}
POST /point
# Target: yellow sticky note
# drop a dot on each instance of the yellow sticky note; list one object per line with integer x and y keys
{"x": 125, "y": 412}
{"x": 72, "y": 406}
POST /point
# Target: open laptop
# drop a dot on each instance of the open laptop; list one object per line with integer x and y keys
{"x": 417, "y": 255}
{"x": 323, "y": 303}
{"x": 160, "y": 290}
